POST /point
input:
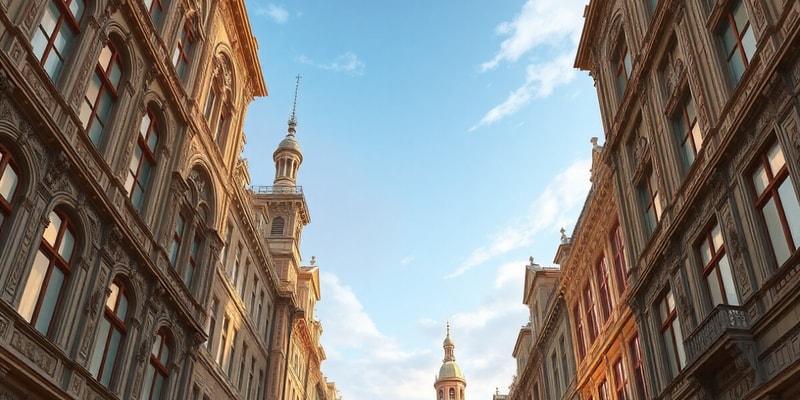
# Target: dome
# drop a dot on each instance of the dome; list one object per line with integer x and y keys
{"x": 450, "y": 370}
{"x": 289, "y": 142}
{"x": 448, "y": 341}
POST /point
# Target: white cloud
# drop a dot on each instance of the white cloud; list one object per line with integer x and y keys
{"x": 278, "y": 14}
{"x": 540, "y": 23}
{"x": 347, "y": 62}
{"x": 543, "y": 27}
{"x": 406, "y": 260}
{"x": 563, "y": 194}
{"x": 511, "y": 272}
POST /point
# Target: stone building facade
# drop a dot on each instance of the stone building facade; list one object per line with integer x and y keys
{"x": 136, "y": 261}
{"x": 700, "y": 113}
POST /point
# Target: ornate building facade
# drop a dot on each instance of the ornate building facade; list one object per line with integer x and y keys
{"x": 680, "y": 279}
{"x": 136, "y": 261}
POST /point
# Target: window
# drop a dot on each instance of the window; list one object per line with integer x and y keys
{"x": 260, "y": 307}
{"x": 102, "y": 92}
{"x": 671, "y": 334}
{"x": 650, "y": 200}
{"x": 452, "y": 394}
{"x": 51, "y": 268}
{"x": 223, "y": 336}
{"x": 231, "y": 355}
{"x": 277, "y": 227}
{"x": 212, "y": 323}
{"x": 441, "y": 394}
{"x": 638, "y": 368}
{"x": 556, "y": 378}
{"x": 243, "y": 284}
{"x": 250, "y": 377}
{"x": 236, "y": 261}
{"x": 156, "y": 8}
{"x": 155, "y": 378}
{"x": 618, "y": 254}
{"x": 9, "y": 179}
{"x": 143, "y": 161}
{"x": 252, "y": 308}
{"x": 576, "y": 312}
{"x": 687, "y": 131}
{"x": 601, "y": 274}
{"x": 177, "y": 238}
{"x": 620, "y": 380}
{"x": 188, "y": 275}
{"x": 738, "y": 40}
{"x": 241, "y": 367}
{"x": 776, "y": 202}
{"x": 591, "y": 317}
{"x": 110, "y": 334}
{"x": 210, "y": 103}
{"x": 228, "y": 237}
{"x": 183, "y": 50}
{"x": 716, "y": 267}
{"x": 219, "y": 134}
{"x": 602, "y": 390}
{"x": 56, "y": 34}
{"x": 564, "y": 367}
{"x": 622, "y": 65}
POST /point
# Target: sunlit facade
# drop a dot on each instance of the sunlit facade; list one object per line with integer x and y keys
{"x": 136, "y": 261}
{"x": 701, "y": 139}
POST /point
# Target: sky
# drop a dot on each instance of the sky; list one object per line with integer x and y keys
{"x": 444, "y": 143}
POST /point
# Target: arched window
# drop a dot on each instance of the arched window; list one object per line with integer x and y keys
{"x": 49, "y": 273}
{"x": 9, "y": 179}
{"x": 441, "y": 394}
{"x": 102, "y": 92}
{"x": 110, "y": 334}
{"x": 58, "y": 29}
{"x": 277, "y": 227}
{"x": 452, "y": 394}
{"x": 143, "y": 161}
{"x": 155, "y": 378}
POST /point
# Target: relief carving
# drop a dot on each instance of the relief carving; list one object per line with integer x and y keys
{"x": 33, "y": 352}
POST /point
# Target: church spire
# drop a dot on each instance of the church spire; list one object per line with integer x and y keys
{"x": 287, "y": 156}
{"x": 449, "y": 346}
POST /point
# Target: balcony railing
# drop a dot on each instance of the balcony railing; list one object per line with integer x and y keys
{"x": 276, "y": 189}
{"x": 723, "y": 319}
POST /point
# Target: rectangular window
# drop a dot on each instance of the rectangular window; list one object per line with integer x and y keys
{"x": 738, "y": 40}
{"x": 183, "y": 50}
{"x": 252, "y": 309}
{"x": 223, "y": 343}
{"x": 776, "y": 202}
{"x": 188, "y": 275}
{"x": 564, "y": 366}
{"x": 618, "y": 253}
{"x": 638, "y": 368}
{"x": 556, "y": 378}
{"x": 601, "y": 274}
{"x": 602, "y": 390}
{"x": 687, "y": 131}
{"x": 101, "y": 93}
{"x": 650, "y": 200}
{"x": 59, "y": 27}
{"x": 241, "y": 368}
{"x": 212, "y": 323}
{"x": 236, "y": 261}
{"x": 177, "y": 238}
{"x": 620, "y": 380}
{"x": 622, "y": 66}
{"x": 671, "y": 335}
{"x": 260, "y": 308}
{"x": 591, "y": 316}
{"x": 579, "y": 340}
{"x": 231, "y": 363}
{"x": 716, "y": 267}
{"x": 156, "y": 8}
{"x": 143, "y": 161}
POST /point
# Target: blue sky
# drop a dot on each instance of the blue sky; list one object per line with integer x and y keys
{"x": 444, "y": 143}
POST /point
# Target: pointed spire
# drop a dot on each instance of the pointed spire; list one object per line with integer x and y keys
{"x": 448, "y": 346}
{"x": 293, "y": 117}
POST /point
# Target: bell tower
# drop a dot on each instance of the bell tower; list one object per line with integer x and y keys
{"x": 450, "y": 383}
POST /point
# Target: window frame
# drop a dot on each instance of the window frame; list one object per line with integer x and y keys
{"x": 579, "y": 332}
{"x": 687, "y": 130}
{"x": 728, "y": 21}
{"x": 181, "y": 58}
{"x": 146, "y": 154}
{"x": 7, "y": 163}
{"x": 620, "y": 379}
{"x": 618, "y": 255}
{"x": 115, "y": 325}
{"x": 649, "y": 200}
{"x": 591, "y": 314}
{"x": 669, "y": 322}
{"x": 603, "y": 289}
{"x": 103, "y": 73}
{"x": 717, "y": 255}
{"x": 159, "y": 368}
{"x": 49, "y": 39}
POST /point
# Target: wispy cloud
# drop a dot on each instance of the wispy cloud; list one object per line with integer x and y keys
{"x": 347, "y": 62}
{"x": 277, "y": 13}
{"x": 540, "y": 23}
{"x": 541, "y": 27}
{"x": 540, "y": 81}
{"x": 407, "y": 260}
{"x": 562, "y": 195}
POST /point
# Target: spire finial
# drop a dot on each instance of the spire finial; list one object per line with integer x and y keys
{"x": 448, "y": 327}
{"x": 293, "y": 117}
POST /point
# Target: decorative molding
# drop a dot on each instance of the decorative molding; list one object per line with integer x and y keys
{"x": 33, "y": 352}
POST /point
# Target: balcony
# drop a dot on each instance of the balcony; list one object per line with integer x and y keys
{"x": 276, "y": 189}
{"x": 725, "y": 325}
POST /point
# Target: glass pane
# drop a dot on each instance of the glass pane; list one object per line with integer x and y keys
{"x": 52, "y": 66}
{"x": 164, "y": 355}
{"x": 105, "y": 58}
{"x": 152, "y": 141}
{"x": 670, "y": 350}
{"x": 705, "y": 252}
{"x": 760, "y": 179}
{"x": 173, "y": 256}
{"x": 113, "y": 349}
{"x": 697, "y": 136}
{"x": 740, "y": 16}
{"x": 156, "y": 346}
{"x": 99, "y": 347}
{"x": 791, "y": 210}
{"x": 736, "y": 65}
{"x": 33, "y": 286}
{"x": 159, "y": 383}
{"x": 776, "y": 160}
{"x": 714, "y": 289}
{"x": 77, "y": 7}
{"x": 93, "y": 89}
{"x": 50, "y": 19}
{"x": 67, "y": 245}
{"x": 676, "y": 326}
{"x": 39, "y": 43}
{"x": 145, "y": 125}
{"x": 48, "y": 307}
{"x": 716, "y": 238}
{"x": 728, "y": 39}
{"x": 749, "y": 43}
{"x": 122, "y": 308}
{"x": 727, "y": 281}
{"x": 8, "y": 183}
{"x": 115, "y": 74}
{"x": 111, "y": 301}
{"x": 670, "y": 299}
{"x": 775, "y": 231}
{"x": 52, "y": 229}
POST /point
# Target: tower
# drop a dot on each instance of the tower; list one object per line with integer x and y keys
{"x": 287, "y": 156}
{"x": 450, "y": 382}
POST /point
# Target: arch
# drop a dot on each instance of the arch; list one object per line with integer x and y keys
{"x": 616, "y": 28}
{"x": 118, "y": 35}
{"x": 202, "y": 192}
{"x": 24, "y": 154}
